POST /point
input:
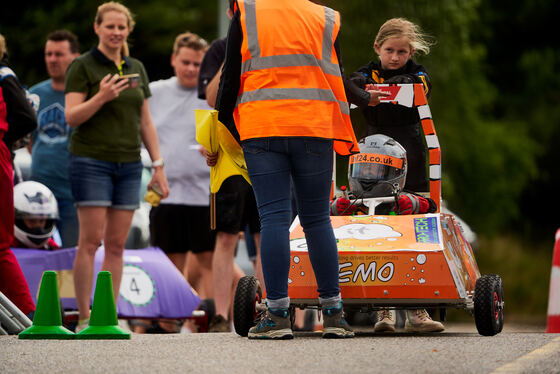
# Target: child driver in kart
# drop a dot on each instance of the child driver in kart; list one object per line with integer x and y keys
{"x": 36, "y": 212}
{"x": 379, "y": 170}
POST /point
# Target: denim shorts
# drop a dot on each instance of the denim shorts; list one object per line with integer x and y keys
{"x": 104, "y": 183}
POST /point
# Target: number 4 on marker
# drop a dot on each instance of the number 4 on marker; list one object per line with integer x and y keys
{"x": 134, "y": 286}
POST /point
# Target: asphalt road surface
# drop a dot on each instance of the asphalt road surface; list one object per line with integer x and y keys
{"x": 459, "y": 349}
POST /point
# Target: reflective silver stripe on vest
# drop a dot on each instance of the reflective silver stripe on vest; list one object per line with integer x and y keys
{"x": 292, "y": 94}
{"x": 328, "y": 34}
{"x": 256, "y": 62}
{"x": 283, "y": 61}
{"x": 252, "y": 34}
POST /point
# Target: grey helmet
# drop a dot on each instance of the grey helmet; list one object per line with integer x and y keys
{"x": 34, "y": 200}
{"x": 379, "y": 169}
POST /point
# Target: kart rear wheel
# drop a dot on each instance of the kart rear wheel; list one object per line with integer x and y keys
{"x": 489, "y": 305}
{"x": 247, "y": 296}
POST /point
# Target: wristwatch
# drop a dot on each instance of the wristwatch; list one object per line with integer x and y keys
{"x": 157, "y": 163}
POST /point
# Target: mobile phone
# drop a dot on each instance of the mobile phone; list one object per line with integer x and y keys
{"x": 132, "y": 79}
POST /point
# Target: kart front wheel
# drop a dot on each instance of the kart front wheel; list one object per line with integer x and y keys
{"x": 247, "y": 296}
{"x": 489, "y": 305}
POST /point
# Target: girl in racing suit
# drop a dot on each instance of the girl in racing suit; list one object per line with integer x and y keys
{"x": 395, "y": 44}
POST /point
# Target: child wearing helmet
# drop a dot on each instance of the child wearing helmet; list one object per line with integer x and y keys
{"x": 379, "y": 170}
{"x": 36, "y": 212}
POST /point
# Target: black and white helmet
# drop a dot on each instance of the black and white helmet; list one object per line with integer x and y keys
{"x": 379, "y": 169}
{"x": 33, "y": 200}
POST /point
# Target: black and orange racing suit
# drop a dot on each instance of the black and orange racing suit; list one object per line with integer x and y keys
{"x": 396, "y": 121}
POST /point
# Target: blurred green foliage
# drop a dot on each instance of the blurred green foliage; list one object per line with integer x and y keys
{"x": 26, "y": 25}
{"x": 495, "y": 90}
{"x": 524, "y": 267}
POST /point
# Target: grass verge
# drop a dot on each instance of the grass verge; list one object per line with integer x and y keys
{"x": 525, "y": 272}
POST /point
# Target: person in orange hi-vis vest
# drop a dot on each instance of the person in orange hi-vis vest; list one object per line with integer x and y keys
{"x": 282, "y": 95}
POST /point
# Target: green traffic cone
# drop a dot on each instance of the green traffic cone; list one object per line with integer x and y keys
{"x": 47, "y": 321}
{"x": 103, "y": 323}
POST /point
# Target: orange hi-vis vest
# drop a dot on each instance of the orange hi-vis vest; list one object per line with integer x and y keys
{"x": 291, "y": 85}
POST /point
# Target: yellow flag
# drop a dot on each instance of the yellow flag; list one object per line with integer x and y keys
{"x": 215, "y": 137}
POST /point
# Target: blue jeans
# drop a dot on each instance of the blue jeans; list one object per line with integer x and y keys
{"x": 308, "y": 161}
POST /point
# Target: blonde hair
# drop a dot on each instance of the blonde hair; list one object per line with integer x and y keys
{"x": 401, "y": 27}
{"x": 189, "y": 40}
{"x": 2, "y": 46}
{"x": 116, "y": 7}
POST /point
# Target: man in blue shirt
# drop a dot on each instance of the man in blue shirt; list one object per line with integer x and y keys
{"x": 49, "y": 151}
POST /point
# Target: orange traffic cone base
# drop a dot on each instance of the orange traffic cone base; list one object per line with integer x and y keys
{"x": 553, "y": 324}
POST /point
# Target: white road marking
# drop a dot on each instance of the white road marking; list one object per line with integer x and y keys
{"x": 527, "y": 361}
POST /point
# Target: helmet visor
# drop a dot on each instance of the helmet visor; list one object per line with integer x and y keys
{"x": 375, "y": 167}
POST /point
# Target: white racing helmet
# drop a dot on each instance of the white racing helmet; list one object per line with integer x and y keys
{"x": 33, "y": 200}
{"x": 379, "y": 169}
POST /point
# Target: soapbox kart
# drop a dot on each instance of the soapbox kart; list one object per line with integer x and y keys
{"x": 389, "y": 261}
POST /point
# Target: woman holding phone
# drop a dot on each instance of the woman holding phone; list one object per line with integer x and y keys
{"x": 110, "y": 113}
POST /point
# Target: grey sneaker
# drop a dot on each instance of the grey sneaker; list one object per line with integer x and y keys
{"x": 385, "y": 321}
{"x": 419, "y": 320}
{"x": 334, "y": 324}
{"x": 274, "y": 324}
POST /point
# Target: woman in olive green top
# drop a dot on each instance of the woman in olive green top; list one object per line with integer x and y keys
{"x": 111, "y": 117}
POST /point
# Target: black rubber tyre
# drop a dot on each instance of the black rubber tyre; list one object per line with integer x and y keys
{"x": 247, "y": 295}
{"x": 489, "y": 305}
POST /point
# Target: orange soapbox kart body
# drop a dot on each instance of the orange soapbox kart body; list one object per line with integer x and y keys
{"x": 390, "y": 261}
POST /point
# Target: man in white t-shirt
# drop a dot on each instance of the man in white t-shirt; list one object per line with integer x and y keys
{"x": 181, "y": 223}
